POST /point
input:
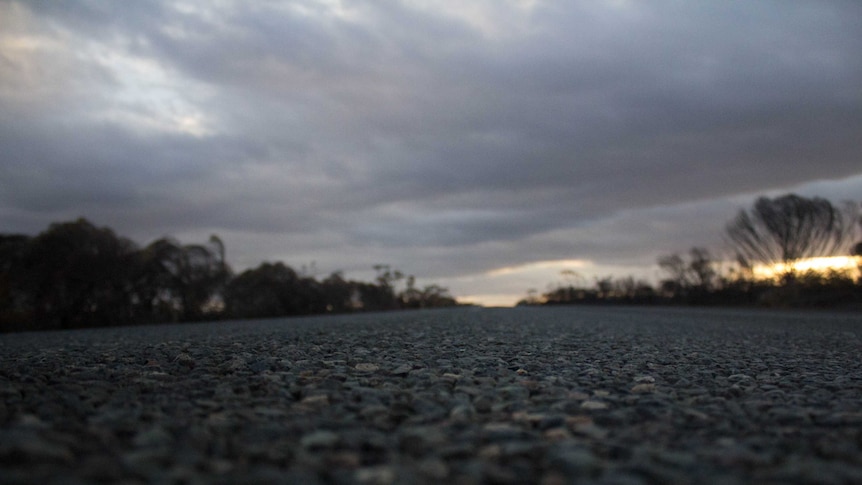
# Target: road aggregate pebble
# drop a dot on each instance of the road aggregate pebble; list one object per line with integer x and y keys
{"x": 501, "y": 396}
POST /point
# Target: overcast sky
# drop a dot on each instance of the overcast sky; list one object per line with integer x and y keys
{"x": 483, "y": 145}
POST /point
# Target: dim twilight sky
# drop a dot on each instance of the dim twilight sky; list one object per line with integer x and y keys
{"x": 482, "y": 145}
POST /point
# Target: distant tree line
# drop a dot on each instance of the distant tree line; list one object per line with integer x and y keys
{"x": 75, "y": 274}
{"x": 776, "y": 233}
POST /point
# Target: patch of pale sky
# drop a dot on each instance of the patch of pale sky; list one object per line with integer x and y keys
{"x": 556, "y": 265}
{"x": 527, "y": 5}
{"x": 620, "y": 4}
{"x": 211, "y": 11}
{"x": 24, "y": 72}
{"x": 323, "y": 9}
{"x": 507, "y": 285}
{"x": 149, "y": 96}
{"x": 18, "y": 64}
{"x": 493, "y": 19}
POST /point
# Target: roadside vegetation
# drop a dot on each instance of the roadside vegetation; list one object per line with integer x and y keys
{"x": 771, "y": 247}
{"x": 75, "y": 274}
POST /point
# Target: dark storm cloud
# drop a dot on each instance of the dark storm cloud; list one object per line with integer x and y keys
{"x": 480, "y": 133}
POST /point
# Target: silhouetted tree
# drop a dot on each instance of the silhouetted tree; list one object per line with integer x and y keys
{"x": 340, "y": 295}
{"x": 702, "y": 267}
{"x": 311, "y": 297}
{"x": 181, "y": 281}
{"x": 678, "y": 279}
{"x": 605, "y": 287}
{"x": 688, "y": 279}
{"x": 531, "y": 299}
{"x": 789, "y": 228}
{"x": 375, "y": 297}
{"x": 436, "y": 296}
{"x": 12, "y": 248}
{"x": 16, "y": 309}
{"x": 387, "y": 277}
{"x": 857, "y": 251}
{"x": 411, "y": 297}
{"x": 265, "y": 291}
{"x": 383, "y": 297}
{"x": 431, "y": 296}
{"x": 75, "y": 274}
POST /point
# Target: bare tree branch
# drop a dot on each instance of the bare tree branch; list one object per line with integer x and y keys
{"x": 790, "y": 228}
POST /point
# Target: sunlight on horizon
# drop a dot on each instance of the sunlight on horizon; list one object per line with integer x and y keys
{"x": 581, "y": 270}
{"x": 492, "y": 299}
{"x": 513, "y": 282}
{"x": 820, "y": 265}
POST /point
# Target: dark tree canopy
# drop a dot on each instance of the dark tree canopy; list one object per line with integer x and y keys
{"x": 687, "y": 278}
{"x": 75, "y": 274}
{"x": 789, "y": 228}
{"x": 781, "y": 230}
{"x": 180, "y": 280}
{"x": 266, "y": 291}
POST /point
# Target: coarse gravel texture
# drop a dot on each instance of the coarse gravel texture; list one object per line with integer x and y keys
{"x": 529, "y": 395}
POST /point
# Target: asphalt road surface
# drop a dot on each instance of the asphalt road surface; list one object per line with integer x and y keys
{"x": 529, "y": 395}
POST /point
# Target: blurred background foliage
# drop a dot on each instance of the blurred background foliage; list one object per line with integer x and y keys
{"x": 75, "y": 274}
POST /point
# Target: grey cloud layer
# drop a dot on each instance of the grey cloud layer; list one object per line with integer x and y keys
{"x": 415, "y": 130}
